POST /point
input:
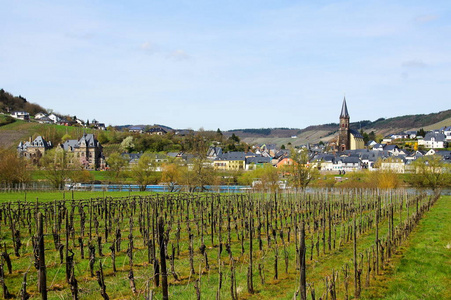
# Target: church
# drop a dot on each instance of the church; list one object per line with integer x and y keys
{"x": 348, "y": 139}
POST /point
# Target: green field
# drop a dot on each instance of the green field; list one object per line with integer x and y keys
{"x": 31, "y": 196}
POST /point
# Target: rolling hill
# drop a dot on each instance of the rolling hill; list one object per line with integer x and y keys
{"x": 327, "y": 132}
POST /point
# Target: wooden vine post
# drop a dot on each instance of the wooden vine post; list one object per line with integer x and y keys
{"x": 302, "y": 279}
{"x": 164, "y": 274}
{"x": 42, "y": 274}
{"x": 356, "y": 271}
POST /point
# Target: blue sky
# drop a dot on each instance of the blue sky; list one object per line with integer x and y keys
{"x": 228, "y": 64}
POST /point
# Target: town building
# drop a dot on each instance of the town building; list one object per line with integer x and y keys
{"x": 35, "y": 149}
{"x": 348, "y": 139}
{"x": 87, "y": 150}
{"x": 230, "y": 161}
{"x": 433, "y": 140}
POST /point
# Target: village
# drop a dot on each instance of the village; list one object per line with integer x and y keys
{"x": 346, "y": 153}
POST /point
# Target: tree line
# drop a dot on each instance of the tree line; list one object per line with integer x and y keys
{"x": 195, "y": 172}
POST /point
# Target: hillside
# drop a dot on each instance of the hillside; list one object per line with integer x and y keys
{"x": 13, "y": 133}
{"x": 326, "y": 132}
{"x": 10, "y": 103}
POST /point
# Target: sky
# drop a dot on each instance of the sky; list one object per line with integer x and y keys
{"x": 228, "y": 64}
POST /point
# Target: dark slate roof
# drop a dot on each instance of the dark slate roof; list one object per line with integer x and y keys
{"x": 136, "y": 128}
{"x": 350, "y": 160}
{"x": 90, "y": 140}
{"x": 344, "y": 110}
{"x": 355, "y": 133}
{"x": 157, "y": 129}
{"x": 325, "y": 157}
{"x": 232, "y": 156}
{"x": 390, "y": 147}
{"x": 40, "y": 142}
{"x": 131, "y": 156}
{"x": 446, "y": 154}
{"x": 45, "y": 119}
{"x": 282, "y": 153}
{"x": 70, "y": 144}
{"x": 173, "y": 154}
{"x": 439, "y": 137}
{"x": 251, "y": 154}
{"x": 258, "y": 160}
{"x": 214, "y": 151}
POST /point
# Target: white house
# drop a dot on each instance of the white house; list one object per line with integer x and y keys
{"x": 396, "y": 165}
{"x": 39, "y": 115}
{"x": 447, "y": 132}
{"x": 22, "y": 115}
{"x": 433, "y": 140}
{"x": 54, "y": 118}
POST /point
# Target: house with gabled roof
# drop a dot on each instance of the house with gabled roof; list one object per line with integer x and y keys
{"x": 136, "y": 129}
{"x": 40, "y": 115}
{"x": 55, "y": 118}
{"x": 286, "y": 161}
{"x": 371, "y": 143}
{"x": 399, "y": 135}
{"x": 447, "y": 132}
{"x": 214, "y": 152}
{"x": 433, "y": 140}
{"x": 230, "y": 161}
{"x": 87, "y": 151}
{"x": 412, "y": 134}
{"x": 324, "y": 162}
{"x": 158, "y": 130}
{"x": 44, "y": 120}
{"x": 35, "y": 149}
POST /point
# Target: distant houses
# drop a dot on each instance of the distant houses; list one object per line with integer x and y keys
{"x": 156, "y": 129}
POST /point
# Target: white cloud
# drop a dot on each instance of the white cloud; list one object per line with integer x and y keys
{"x": 178, "y": 55}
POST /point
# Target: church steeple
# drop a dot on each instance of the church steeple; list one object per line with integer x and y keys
{"x": 344, "y": 141}
{"x": 344, "y": 110}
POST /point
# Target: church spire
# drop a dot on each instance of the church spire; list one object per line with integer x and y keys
{"x": 344, "y": 110}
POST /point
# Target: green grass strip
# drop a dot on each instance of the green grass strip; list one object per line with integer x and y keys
{"x": 423, "y": 270}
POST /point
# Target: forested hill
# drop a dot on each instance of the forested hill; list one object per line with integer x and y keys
{"x": 409, "y": 121}
{"x": 10, "y": 103}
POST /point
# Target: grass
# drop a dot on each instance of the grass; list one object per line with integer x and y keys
{"x": 423, "y": 269}
{"x": 60, "y": 195}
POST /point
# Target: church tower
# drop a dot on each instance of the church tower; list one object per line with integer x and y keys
{"x": 344, "y": 141}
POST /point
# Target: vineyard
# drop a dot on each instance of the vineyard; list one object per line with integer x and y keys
{"x": 321, "y": 245}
